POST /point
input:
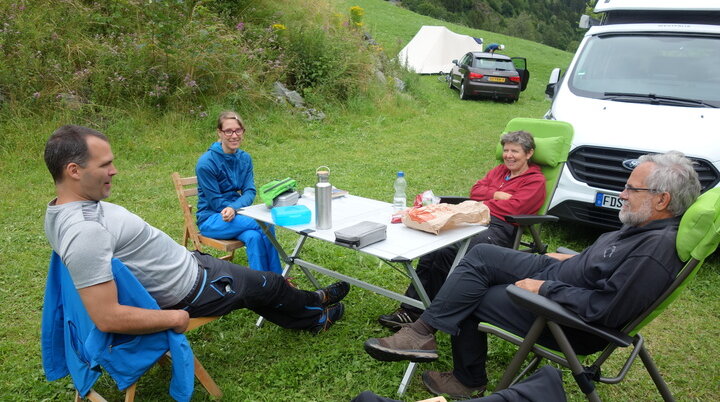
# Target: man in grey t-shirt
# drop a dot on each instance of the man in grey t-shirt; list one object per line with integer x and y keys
{"x": 87, "y": 233}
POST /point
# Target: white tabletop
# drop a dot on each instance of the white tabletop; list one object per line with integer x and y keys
{"x": 402, "y": 243}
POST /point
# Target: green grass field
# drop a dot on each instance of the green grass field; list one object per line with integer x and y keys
{"x": 442, "y": 144}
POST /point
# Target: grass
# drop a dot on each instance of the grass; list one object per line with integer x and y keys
{"x": 441, "y": 143}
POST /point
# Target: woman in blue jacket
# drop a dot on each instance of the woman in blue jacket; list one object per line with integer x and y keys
{"x": 225, "y": 184}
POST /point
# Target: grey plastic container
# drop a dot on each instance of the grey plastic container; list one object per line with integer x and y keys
{"x": 361, "y": 234}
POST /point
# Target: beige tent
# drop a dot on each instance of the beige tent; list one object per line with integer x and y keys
{"x": 433, "y": 48}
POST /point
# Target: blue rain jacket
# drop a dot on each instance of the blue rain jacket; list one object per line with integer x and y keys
{"x": 224, "y": 180}
{"x": 71, "y": 344}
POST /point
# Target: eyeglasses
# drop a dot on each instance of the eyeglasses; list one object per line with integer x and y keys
{"x": 631, "y": 188}
{"x": 229, "y": 133}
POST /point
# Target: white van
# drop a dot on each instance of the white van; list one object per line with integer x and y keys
{"x": 646, "y": 80}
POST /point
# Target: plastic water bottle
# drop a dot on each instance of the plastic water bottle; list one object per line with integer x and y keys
{"x": 323, "y": 199}
{"x": 399, "y": 199}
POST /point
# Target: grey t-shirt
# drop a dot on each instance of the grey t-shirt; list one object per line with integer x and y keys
{"x": 88, "y": 234}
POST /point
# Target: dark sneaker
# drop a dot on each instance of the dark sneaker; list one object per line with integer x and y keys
{"x": 406, "y": 344}
{"x": 398, "y": 319}
{"x": 445, "y": 383}
{"x": 328, "y": 318}
{"x": 334, "y": 293}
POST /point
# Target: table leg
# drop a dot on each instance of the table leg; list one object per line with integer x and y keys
{"x": 415, "y": 281}
{"x": 410, "y": 370}
{"x": 460, "y": 254}
{"x": 406, "y": 378}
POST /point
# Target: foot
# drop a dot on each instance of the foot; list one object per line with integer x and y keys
{"x": 445, "y": 383}
{"x": 334, "y": 293}
{"x": 398, "y": 319}
{"x": 328, "y": 318}
{"x": 406, "y": 344}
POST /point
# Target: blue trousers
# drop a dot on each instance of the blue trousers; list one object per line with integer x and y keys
{"x": 261, "y": 254}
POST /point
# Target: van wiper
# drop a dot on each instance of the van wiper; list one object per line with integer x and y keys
{"x": 655, "y": 99}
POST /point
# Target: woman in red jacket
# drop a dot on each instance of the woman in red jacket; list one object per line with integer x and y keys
{"x": 515, "y": 187}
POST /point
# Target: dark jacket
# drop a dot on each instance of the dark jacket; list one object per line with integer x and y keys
{"x": 619, "y": 276}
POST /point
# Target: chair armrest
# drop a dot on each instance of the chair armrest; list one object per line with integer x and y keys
{"x": 565, "y": 250}
{"x": 553, "y": 311}
{"x": 527, "y": 220}
{"x": 449, "y": 199}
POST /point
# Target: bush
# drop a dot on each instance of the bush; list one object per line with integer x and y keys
{"x": 171, "y": 55}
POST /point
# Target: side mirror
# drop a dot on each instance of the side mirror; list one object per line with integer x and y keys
{"x": 584, "y": 21}
{"x": 587, "y": 21}
{"x": 552, "y": 83}
{"x": 455, "y": 62}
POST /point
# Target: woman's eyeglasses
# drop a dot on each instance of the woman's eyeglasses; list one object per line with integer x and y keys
{"x": 229, "y": 133}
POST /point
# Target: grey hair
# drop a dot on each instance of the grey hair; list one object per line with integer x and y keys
{"x": 522, "y": 138}
{"x": 673, "y": 173}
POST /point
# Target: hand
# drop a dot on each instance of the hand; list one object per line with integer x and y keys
{"x": 501, "y": 195}
{"x": 228, "y": 214}
{"x": 559, "y": 256}
{"x": 183, "y": 320}
{"x": 532, "y": 285}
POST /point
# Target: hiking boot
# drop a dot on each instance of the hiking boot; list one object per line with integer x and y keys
{"x": 328, "y": 318}
{"x": 334, "y": 293}
{"x": 398, "y": 319}
{"x": 406, "y": 344}
{"x": 445, "y": 383}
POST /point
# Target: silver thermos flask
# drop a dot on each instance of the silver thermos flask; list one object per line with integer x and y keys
{"x": 323, "y": 199}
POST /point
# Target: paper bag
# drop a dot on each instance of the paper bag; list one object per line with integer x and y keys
{"x": 436, "y": 217}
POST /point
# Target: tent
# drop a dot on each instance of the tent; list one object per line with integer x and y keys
{"x": 433, "y": 48}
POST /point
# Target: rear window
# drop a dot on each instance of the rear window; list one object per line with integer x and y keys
{"x": 662, "y": 65}
{"x": 494, "y": 64}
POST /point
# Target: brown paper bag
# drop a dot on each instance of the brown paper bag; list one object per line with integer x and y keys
{"x": 436, "y": 217}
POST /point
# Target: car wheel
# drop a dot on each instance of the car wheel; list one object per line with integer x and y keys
{"x": 463, "y": 95}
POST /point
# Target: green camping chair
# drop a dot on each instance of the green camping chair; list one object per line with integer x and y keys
{"x": 552, "y": 144}
{"x": 698, "y": 237}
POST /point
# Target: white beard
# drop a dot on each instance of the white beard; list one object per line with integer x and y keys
{"x": 636, "y": 218}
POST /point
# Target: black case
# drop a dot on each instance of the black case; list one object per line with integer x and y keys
{"x": 361, "y": 234}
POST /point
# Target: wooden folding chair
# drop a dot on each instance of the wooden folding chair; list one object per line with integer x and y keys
{"x": 187, "y": 187}
{"x": 200, "y": 373}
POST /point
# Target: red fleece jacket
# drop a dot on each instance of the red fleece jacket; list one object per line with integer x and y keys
{"x": 528, "y": 191}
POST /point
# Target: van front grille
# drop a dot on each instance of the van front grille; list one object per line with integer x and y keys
{"x": 602, "y": 167}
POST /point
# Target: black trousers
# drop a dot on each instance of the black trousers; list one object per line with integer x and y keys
{"x": 475, "y": 292}
{"x": 432, "y": 269}
{"x": 544, "y": 385}
{"x": 227, "y": 287}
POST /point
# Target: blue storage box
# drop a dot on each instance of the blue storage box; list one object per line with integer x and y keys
{"x": 291, "y": 215}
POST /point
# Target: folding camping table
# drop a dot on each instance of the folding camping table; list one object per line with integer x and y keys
{"x": 401, "y": 247}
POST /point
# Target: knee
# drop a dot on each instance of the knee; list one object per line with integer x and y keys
{"x": 251, "y": 236}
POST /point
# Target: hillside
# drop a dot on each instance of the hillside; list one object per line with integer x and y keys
{"x": 550, "y": 22}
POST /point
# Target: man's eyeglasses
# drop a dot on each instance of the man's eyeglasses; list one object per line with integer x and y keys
{"x": 229, "y": 133}
{"x": 631, "y": 188}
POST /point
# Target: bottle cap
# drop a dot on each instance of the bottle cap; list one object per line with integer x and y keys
{"x": 322, "y": 172}
{"x": 401, "y": 174}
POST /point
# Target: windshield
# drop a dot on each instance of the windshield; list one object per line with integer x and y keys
{"x": 494, "y": 64}
{"x": 684, "y": 67}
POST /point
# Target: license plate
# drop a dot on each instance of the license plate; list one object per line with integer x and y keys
{"x": 608, "y": 201}
{"x": 496, "y": 79}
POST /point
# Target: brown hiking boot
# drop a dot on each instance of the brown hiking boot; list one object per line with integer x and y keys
{"x": 445, "y": 383}
{"x": 406, "y": 344}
